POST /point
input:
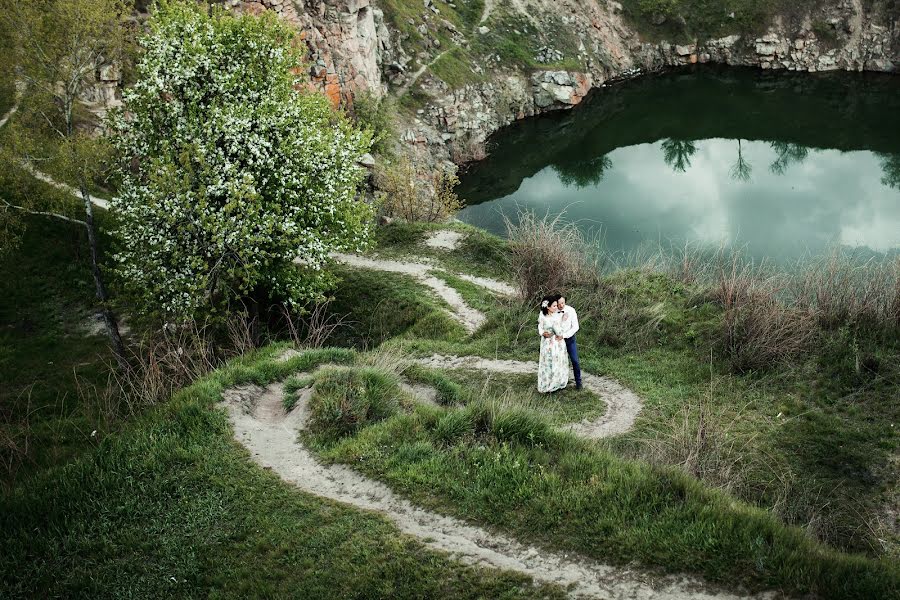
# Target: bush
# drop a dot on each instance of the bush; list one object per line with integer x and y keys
{"x": 377, "y": 115}
{"x": 412, "y": 195}
{"x": 548, "y": 255}
{"x": 230, "y": 171}
{"x": 346, "y": 399}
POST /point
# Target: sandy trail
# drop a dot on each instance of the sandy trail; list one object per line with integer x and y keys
{"x": 622, "y": 405}
{"x": 104, "y": 204}
{"x": 469, "y": 317}
{"x": 270, "y": 435}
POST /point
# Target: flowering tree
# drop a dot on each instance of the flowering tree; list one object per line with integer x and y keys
{"x": 230, "y": 172}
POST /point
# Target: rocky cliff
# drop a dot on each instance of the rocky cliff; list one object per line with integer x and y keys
{"x": 464, "y": 68}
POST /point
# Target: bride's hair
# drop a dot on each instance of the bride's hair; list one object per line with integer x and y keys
{"x": 546, "y": 301}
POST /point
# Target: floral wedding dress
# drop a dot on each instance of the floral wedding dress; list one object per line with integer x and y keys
{"x": 553, "y": 366}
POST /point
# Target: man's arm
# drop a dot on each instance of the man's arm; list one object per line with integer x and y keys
{"x": 573, "y": 323}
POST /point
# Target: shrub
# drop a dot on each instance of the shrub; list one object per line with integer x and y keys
{"x": 377, "y": 115}
{"x": 760, "y": 333}
{"x": 346, "y": 399}
{"x": 842, "y": 290}
{"x": 229, "y": 170}
{"x": 410, "y": 194}
{"x": 547, "y": 254}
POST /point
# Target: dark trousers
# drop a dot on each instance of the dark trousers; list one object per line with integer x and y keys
{"x": 572, "y": 349}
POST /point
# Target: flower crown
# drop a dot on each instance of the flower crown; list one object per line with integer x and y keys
{"x": 545, "y": 304}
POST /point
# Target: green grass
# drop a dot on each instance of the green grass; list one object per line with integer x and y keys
{"x": 395, "y": 307}
{"x": 687, "y": 20}
{"x": 7, "y": 93}
{"x": 825, "y": 461}
{"x": 47, "y": 351}
{"x": 454, "y": 68}
{"x": 567, "y": 406}
{"x": 172, "y": 507}
{"x": 506, "y": 468}
{"x": 478, "y": 252}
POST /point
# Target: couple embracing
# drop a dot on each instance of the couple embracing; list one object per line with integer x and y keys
{"x": 557, "y": 325}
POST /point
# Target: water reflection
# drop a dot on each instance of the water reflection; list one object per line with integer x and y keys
{"x": 786, "y": 165}
{"x": 678, "y": 153}
{"x": 890, "y": 163}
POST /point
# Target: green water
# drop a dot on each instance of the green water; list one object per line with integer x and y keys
{"x": 781, "y": 164}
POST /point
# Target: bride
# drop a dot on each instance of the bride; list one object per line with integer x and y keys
{"x": 553, "y": 367}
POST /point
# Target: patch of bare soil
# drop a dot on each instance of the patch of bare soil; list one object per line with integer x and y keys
{"x": 444, "y": 239}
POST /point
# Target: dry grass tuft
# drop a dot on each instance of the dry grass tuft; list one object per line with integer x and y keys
{"x": 548, "y": 255}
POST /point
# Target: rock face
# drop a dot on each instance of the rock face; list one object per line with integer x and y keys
{"x": 345, "y": 41}
{"x": 352, "y": 48}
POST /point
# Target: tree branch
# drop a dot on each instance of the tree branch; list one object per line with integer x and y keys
{"x": 43, "y": 213}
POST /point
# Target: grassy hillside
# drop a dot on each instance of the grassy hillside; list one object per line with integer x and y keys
{"x": 172, "y": 507}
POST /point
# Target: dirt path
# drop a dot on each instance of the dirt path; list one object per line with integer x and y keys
{"x": 8, "y": 114}
{"x": 104, "y": 204}
{"x": 421, "y": 70}
{"x": 270, "y": 435}
{"x": 469, "y": 317}
{"x": 622, "y": 405}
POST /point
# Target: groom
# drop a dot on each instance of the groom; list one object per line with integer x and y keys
{"x": 569, "y": 336}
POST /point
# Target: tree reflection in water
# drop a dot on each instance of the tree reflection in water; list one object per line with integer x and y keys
{"x": 583, "y": 173}
{"x": 678, "y": 153}
{"x": 741, "y": 169}
{"x": 788, "y": 154}
{"x": 890, "y": 164}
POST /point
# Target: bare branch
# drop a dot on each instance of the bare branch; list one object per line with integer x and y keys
{"x": 43, "y": 213}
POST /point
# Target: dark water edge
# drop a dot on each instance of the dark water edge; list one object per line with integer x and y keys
{"x": 784, "y": 164}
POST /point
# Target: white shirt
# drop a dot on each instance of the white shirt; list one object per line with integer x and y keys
{"x": 570, "y": 325}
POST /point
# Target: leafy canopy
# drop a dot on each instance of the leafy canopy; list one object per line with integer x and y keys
{"x": 230, "y": 170}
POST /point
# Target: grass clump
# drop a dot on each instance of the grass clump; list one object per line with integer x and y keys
{"x": 345, "y": 399}
{"x": 453, "y": 426}
{"x": 380, "y": 306}
{"x": 454, "y": 68}
{"x": 449, "y": 392}
{"x": 292, "y": 388}
{"x": 547, "y": 254}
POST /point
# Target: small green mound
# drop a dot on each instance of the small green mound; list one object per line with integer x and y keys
{"x": 453, "y": 426}
{"x": 292, "y": 388}
{"x": 448, "y": 391}
{"x": 347, "y": 399}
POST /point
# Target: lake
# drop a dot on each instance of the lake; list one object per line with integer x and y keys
{"x": 780, "y": 164}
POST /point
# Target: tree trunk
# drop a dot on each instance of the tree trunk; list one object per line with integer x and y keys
{"x": 112, "y": 327}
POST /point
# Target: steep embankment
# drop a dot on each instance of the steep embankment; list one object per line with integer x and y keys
{"x": 463, "y": 70}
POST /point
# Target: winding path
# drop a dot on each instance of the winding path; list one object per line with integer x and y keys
{"x": 622, "y": 405}
{"x": 469, "y": 317}
{"x": 270, "y": 435}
